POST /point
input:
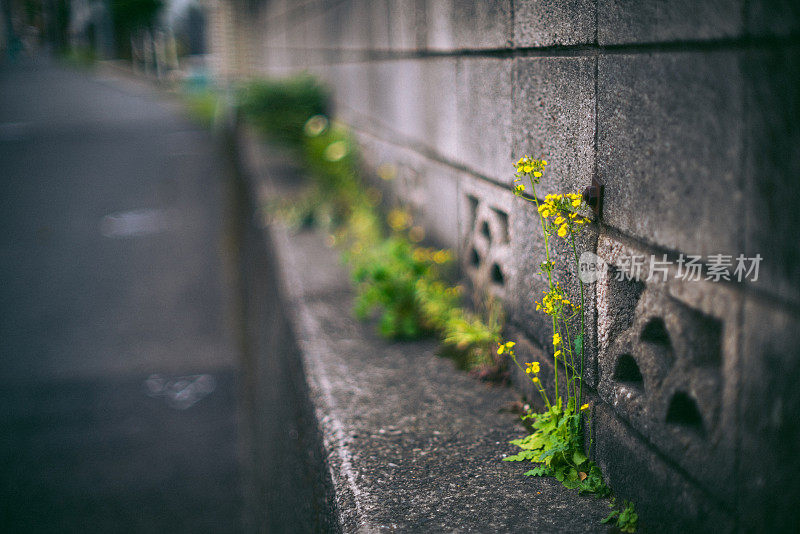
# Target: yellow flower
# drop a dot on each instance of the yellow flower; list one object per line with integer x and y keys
{"x": 576, "y": 202}
{"x": 562, "y": 232}
{"x": 585, "y": 406}
{"x": 527, "y": 168}
{"x": 559, "y": 220}
{"x": 336, "y": 151}
{"x": 387, "y": 171}
{"x": 544, "y": 162}
{"x": 442, "y": 256}
{"x": 505, "y": 347}
{"x": 533, "y": 367}
{"x": 557, "y": 354}
{"x": 535, "y": 379}
{"x": 556, "y": 339}
{"x": 537, "y": 174}
{"x": 399, "y": 219}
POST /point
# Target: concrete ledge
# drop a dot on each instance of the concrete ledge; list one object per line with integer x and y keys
{"x": 411, "y": 444}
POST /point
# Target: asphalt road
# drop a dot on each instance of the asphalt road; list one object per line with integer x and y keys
{"x": 111, "y": 272}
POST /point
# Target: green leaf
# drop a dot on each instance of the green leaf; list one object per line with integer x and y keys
{"x": 578, "y": 343}
{"x": 578, "y": 457}
{"x": 521, "y": 456}
{"x": 538, "y": 471}
{"x": 612, "y": 515}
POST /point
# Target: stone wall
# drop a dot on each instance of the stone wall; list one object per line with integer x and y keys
{"x": 688, "y": 112}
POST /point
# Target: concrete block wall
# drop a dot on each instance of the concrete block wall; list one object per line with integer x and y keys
{"x": 689, "y": 112}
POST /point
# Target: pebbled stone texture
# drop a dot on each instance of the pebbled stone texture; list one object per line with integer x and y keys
{"x": 553, "y": 22}
{"x": 553, "y": 123}
{"x": 632, "y": 468}
{"x": 670, "y": 367}
{"x": 669, "y": 146}
{"x": 631, "y": 21}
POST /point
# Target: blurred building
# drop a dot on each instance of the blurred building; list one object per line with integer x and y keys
{"x": 91, "y": 27}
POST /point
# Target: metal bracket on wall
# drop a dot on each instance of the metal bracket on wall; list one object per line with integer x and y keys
{"x": 593, "y": 195}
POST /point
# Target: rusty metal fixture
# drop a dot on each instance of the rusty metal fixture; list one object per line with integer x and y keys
{"x": 593, "y": 195}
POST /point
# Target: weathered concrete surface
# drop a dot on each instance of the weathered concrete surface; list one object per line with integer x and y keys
{"x": 287, "y": 486}
{"x": 554, "y": 22}
{"x": 456, "y": 25}
{"x": 669, "y": 142}
{"x": 629, "y": 21}
{"x": 412, "y": 444}
{"x": 553, "y": 124}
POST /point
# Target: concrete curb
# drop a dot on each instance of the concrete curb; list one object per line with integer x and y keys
{"x": 411, "y": 443}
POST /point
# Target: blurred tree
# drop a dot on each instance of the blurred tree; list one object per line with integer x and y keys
{"x": 131, "y": 16}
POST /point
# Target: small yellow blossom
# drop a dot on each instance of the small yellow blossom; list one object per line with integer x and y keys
{"x": 557, "y": 354}
{"x": 387, "y": 171}
{"x": 399, "y": 219}
{"x": 532, "y": 367}
{"x": 562, "y": 232}
{"x": 585, "y": 406}
{"x": 442, "y": 256}
{"x": 336, "y": 150}
{"x": 556, "y": 339}
{"x": 505, "y": 347}
{"x": 535, "y": 379}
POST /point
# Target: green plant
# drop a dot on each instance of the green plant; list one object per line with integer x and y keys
{"x": 625, "y": 519}
{"x": 203, "y": 105}
{"x": 387, "y": 278}
{"x": 556, "y": 443}
{"x": 281, "y": 108}
{"x": 403, "y": 282}
{"x": 470, "y": 338}
{"x": 395, "y": 278}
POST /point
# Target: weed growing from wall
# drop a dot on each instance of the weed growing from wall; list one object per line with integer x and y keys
{"x": 401, "y": 282}
{"x": 556, "y": 445}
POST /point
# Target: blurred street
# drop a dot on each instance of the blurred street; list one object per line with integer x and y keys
{"x": 118, "y": 401}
